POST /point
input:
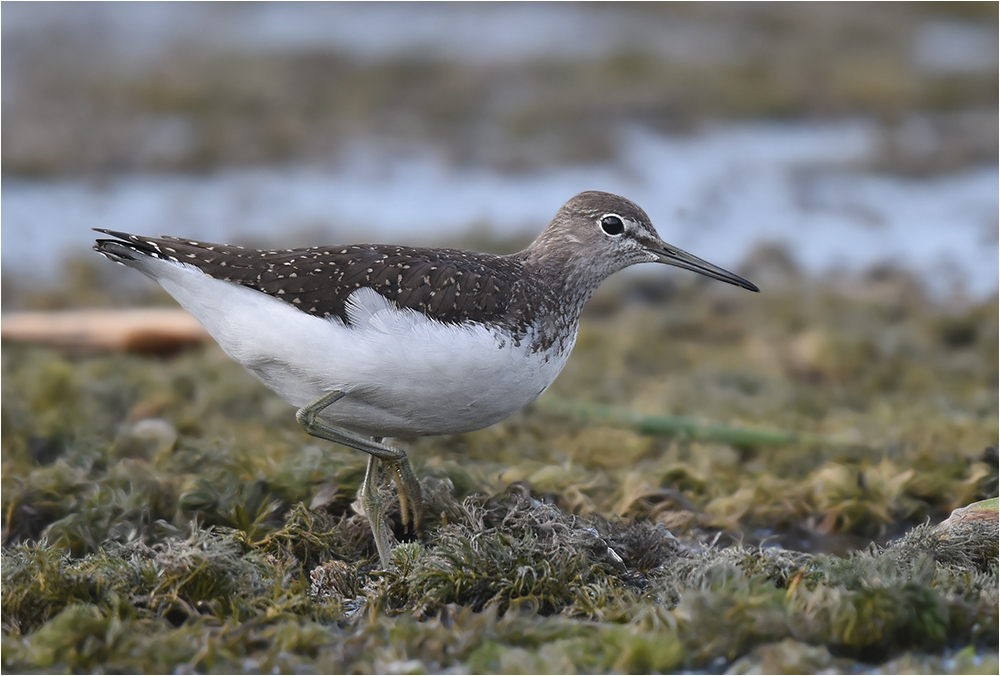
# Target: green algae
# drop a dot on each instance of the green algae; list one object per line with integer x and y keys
{"x": 169, "y": 515}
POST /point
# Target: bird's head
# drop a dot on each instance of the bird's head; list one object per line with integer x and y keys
{"x": 598, "y": 233}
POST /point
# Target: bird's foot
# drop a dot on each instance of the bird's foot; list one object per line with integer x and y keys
{"x": 411, "y": 502}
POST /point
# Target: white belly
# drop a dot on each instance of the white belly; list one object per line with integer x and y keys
{"x": 404, "y": 374}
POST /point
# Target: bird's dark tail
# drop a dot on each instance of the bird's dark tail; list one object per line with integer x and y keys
{"x": 126, "y": 249}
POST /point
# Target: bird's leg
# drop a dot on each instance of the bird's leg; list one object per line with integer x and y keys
{"x": 373, "y": 510}
{"x": 410, "y": 500}
{"x": 411, "y": 503}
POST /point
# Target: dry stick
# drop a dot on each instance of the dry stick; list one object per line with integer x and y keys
{"x": 681, "y": 426}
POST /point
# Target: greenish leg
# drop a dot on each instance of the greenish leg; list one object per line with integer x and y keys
{"x": 373, "y": 510}
{"x": 407, "y": 486}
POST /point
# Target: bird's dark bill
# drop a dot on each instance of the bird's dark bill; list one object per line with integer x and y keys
{"x": 682, "y": 259}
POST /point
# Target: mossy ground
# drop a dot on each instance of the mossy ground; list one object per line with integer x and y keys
{"x": 167, "y": 514}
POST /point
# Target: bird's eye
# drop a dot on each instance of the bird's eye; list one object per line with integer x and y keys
{"x": 612, "y": 225}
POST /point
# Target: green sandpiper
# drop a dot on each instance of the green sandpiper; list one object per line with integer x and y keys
{"x": 372, "y": 341}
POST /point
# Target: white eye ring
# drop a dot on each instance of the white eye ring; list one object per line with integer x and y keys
{"x": 612, "y": 225}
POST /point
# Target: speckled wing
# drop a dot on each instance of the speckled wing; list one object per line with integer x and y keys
{"x": 448, "y": 285}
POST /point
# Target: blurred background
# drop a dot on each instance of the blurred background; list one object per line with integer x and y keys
{"x": 830, "y": 138}
{"x": 843, "y": 156}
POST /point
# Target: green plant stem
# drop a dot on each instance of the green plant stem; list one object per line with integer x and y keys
{"x": 681, "y": 426}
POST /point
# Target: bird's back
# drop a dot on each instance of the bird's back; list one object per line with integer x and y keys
{"x": 448, "y": 285}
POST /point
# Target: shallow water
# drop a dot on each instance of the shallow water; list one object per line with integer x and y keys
{"x": 718, "y": 193}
